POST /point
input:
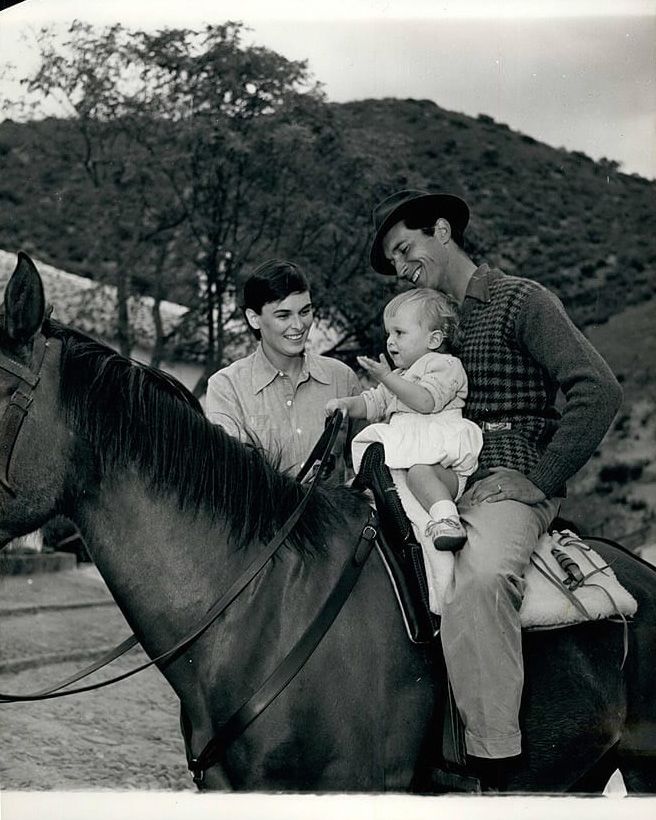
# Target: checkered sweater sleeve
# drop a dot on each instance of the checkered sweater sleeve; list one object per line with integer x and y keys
{"x": 592, "y": 394}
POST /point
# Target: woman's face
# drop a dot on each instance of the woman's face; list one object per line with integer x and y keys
{"x": 284, "y": 325}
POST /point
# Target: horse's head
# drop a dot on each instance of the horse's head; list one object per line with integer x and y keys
{"x": 34, "y": 441}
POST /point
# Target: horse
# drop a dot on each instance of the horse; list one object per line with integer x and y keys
{"x": 172, "y": 509}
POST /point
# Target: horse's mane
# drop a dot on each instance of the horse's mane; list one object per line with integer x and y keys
{"x": 133, "y": 414}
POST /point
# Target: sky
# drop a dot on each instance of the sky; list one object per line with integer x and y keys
{"x": 578, "y": 74}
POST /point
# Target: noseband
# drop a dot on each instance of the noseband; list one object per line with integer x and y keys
{"x": 19, "y": 404}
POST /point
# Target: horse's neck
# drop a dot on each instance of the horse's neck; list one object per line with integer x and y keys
{"x": 159, "y": 562}
{"x": 165, "y": 567}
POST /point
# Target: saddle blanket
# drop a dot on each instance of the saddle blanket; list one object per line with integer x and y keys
{"x": 545, "y": 604}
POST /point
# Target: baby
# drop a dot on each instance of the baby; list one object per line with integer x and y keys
{"x": 418, "y": 409}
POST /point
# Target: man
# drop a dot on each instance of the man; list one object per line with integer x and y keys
{"x": 276, "y": 396}
{"x": 518, "y": 348}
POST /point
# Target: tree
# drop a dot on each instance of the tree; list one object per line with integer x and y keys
{"x": 203, "y": 156}
{"x": 84, "y": 74}
{"x": 206, "y": 156}
{"x": 255, "y": 156}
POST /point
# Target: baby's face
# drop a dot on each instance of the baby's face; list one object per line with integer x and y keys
{"x": 408, "y": 337}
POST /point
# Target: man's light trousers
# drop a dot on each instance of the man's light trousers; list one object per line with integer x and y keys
{"x": 481, "y": 633}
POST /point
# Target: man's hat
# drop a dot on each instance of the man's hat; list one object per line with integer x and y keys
{"x": 424, "y": 209}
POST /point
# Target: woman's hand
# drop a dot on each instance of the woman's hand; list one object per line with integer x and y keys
{"x": 378, "y": 369}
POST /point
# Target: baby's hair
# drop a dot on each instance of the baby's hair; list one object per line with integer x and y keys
{"x": 437, "y": 310}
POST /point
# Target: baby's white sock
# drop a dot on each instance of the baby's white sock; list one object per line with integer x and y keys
{"x": 443, "y": 509}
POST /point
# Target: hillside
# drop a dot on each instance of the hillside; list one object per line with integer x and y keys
{"x": 615, "y": 494}
{"x": 580, "y": 227}
{"x": 583, "y": 228}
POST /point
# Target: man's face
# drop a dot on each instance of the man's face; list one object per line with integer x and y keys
{"x": 418, "y": 258}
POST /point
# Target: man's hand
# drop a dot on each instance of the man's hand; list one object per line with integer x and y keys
{"x": 504, "y": 484}
{"x": 378, "y": 369}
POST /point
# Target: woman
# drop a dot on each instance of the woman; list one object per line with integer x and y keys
{"x": 276, "y": 396}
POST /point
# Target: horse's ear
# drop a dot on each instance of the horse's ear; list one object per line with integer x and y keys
{"x": 25, "y": 302}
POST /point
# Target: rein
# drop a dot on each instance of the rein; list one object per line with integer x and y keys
{"x": 325, "y": 444}
{"x": 291, "y": 664}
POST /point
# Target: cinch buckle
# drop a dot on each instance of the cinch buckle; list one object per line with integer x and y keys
{"x": 369, "y": 532}
{"x": 363, "y": 548}
{"x": 197, "y": 774}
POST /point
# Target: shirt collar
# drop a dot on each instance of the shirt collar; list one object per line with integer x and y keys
{"x": 479, "y": 284}
{"x": 316, "y": 368}
{"x": 264, "y": 372}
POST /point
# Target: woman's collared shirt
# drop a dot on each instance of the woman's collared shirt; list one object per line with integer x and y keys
{"x": 254, "y": 401}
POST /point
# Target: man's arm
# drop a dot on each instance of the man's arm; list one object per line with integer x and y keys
{"x": 592, "y": 393}
{"x": 592, "y": 398}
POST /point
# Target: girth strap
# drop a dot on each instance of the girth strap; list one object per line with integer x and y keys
{"x": 293, "y": 662}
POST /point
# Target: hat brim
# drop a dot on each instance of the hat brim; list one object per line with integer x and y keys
{"x": 430, "y": 206}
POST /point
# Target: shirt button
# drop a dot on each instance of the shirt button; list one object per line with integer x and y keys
{"x": 289, "y": 402}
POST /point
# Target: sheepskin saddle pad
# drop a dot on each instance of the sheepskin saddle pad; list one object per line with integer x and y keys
{"x": 567, "y": 582}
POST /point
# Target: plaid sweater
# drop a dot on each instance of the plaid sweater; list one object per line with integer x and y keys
{"x": 518, "y": 348}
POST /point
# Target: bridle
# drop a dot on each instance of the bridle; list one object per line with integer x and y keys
{"x": 19, "y": 404}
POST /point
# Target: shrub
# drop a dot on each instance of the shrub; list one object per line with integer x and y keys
{"x": 620, "y": 473}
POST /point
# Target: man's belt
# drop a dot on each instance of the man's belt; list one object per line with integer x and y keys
{"x": 526, "y": 423}
{"x": 495, "y": 426}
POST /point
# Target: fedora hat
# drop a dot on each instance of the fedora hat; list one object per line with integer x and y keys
{"x": 424, "y": 209}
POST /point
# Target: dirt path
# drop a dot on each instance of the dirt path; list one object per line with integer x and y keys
{"x": 125, "y": 736}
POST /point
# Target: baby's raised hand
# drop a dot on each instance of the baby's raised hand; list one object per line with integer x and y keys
{"x": 378, "y": 369}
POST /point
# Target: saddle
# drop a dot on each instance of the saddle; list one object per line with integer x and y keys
{"x": 401, "y": 553}
{"x": 566, "y": 581}
{"x": 404, "y": 562}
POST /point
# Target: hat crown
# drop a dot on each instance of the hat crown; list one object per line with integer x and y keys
{"x": 392, "y": 202}
{"x": 418, "y": 204}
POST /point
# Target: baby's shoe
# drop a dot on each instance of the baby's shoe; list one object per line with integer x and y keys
{"x": 447, "y": 534}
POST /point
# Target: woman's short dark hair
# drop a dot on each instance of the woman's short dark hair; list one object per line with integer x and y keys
{"x": 272, "y": 281}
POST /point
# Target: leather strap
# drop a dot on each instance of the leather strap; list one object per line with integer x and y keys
{"x": 212, "y": 614}
{"x": 12, "y": 421}
{"x": 106, "y": 658}
{"x": 288, "y": 668}
{"x": 19, "y": 404}
{"x": 25, "y": 374}
{"x": 543, "y": 568}
{"x": 322, "y": 449}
